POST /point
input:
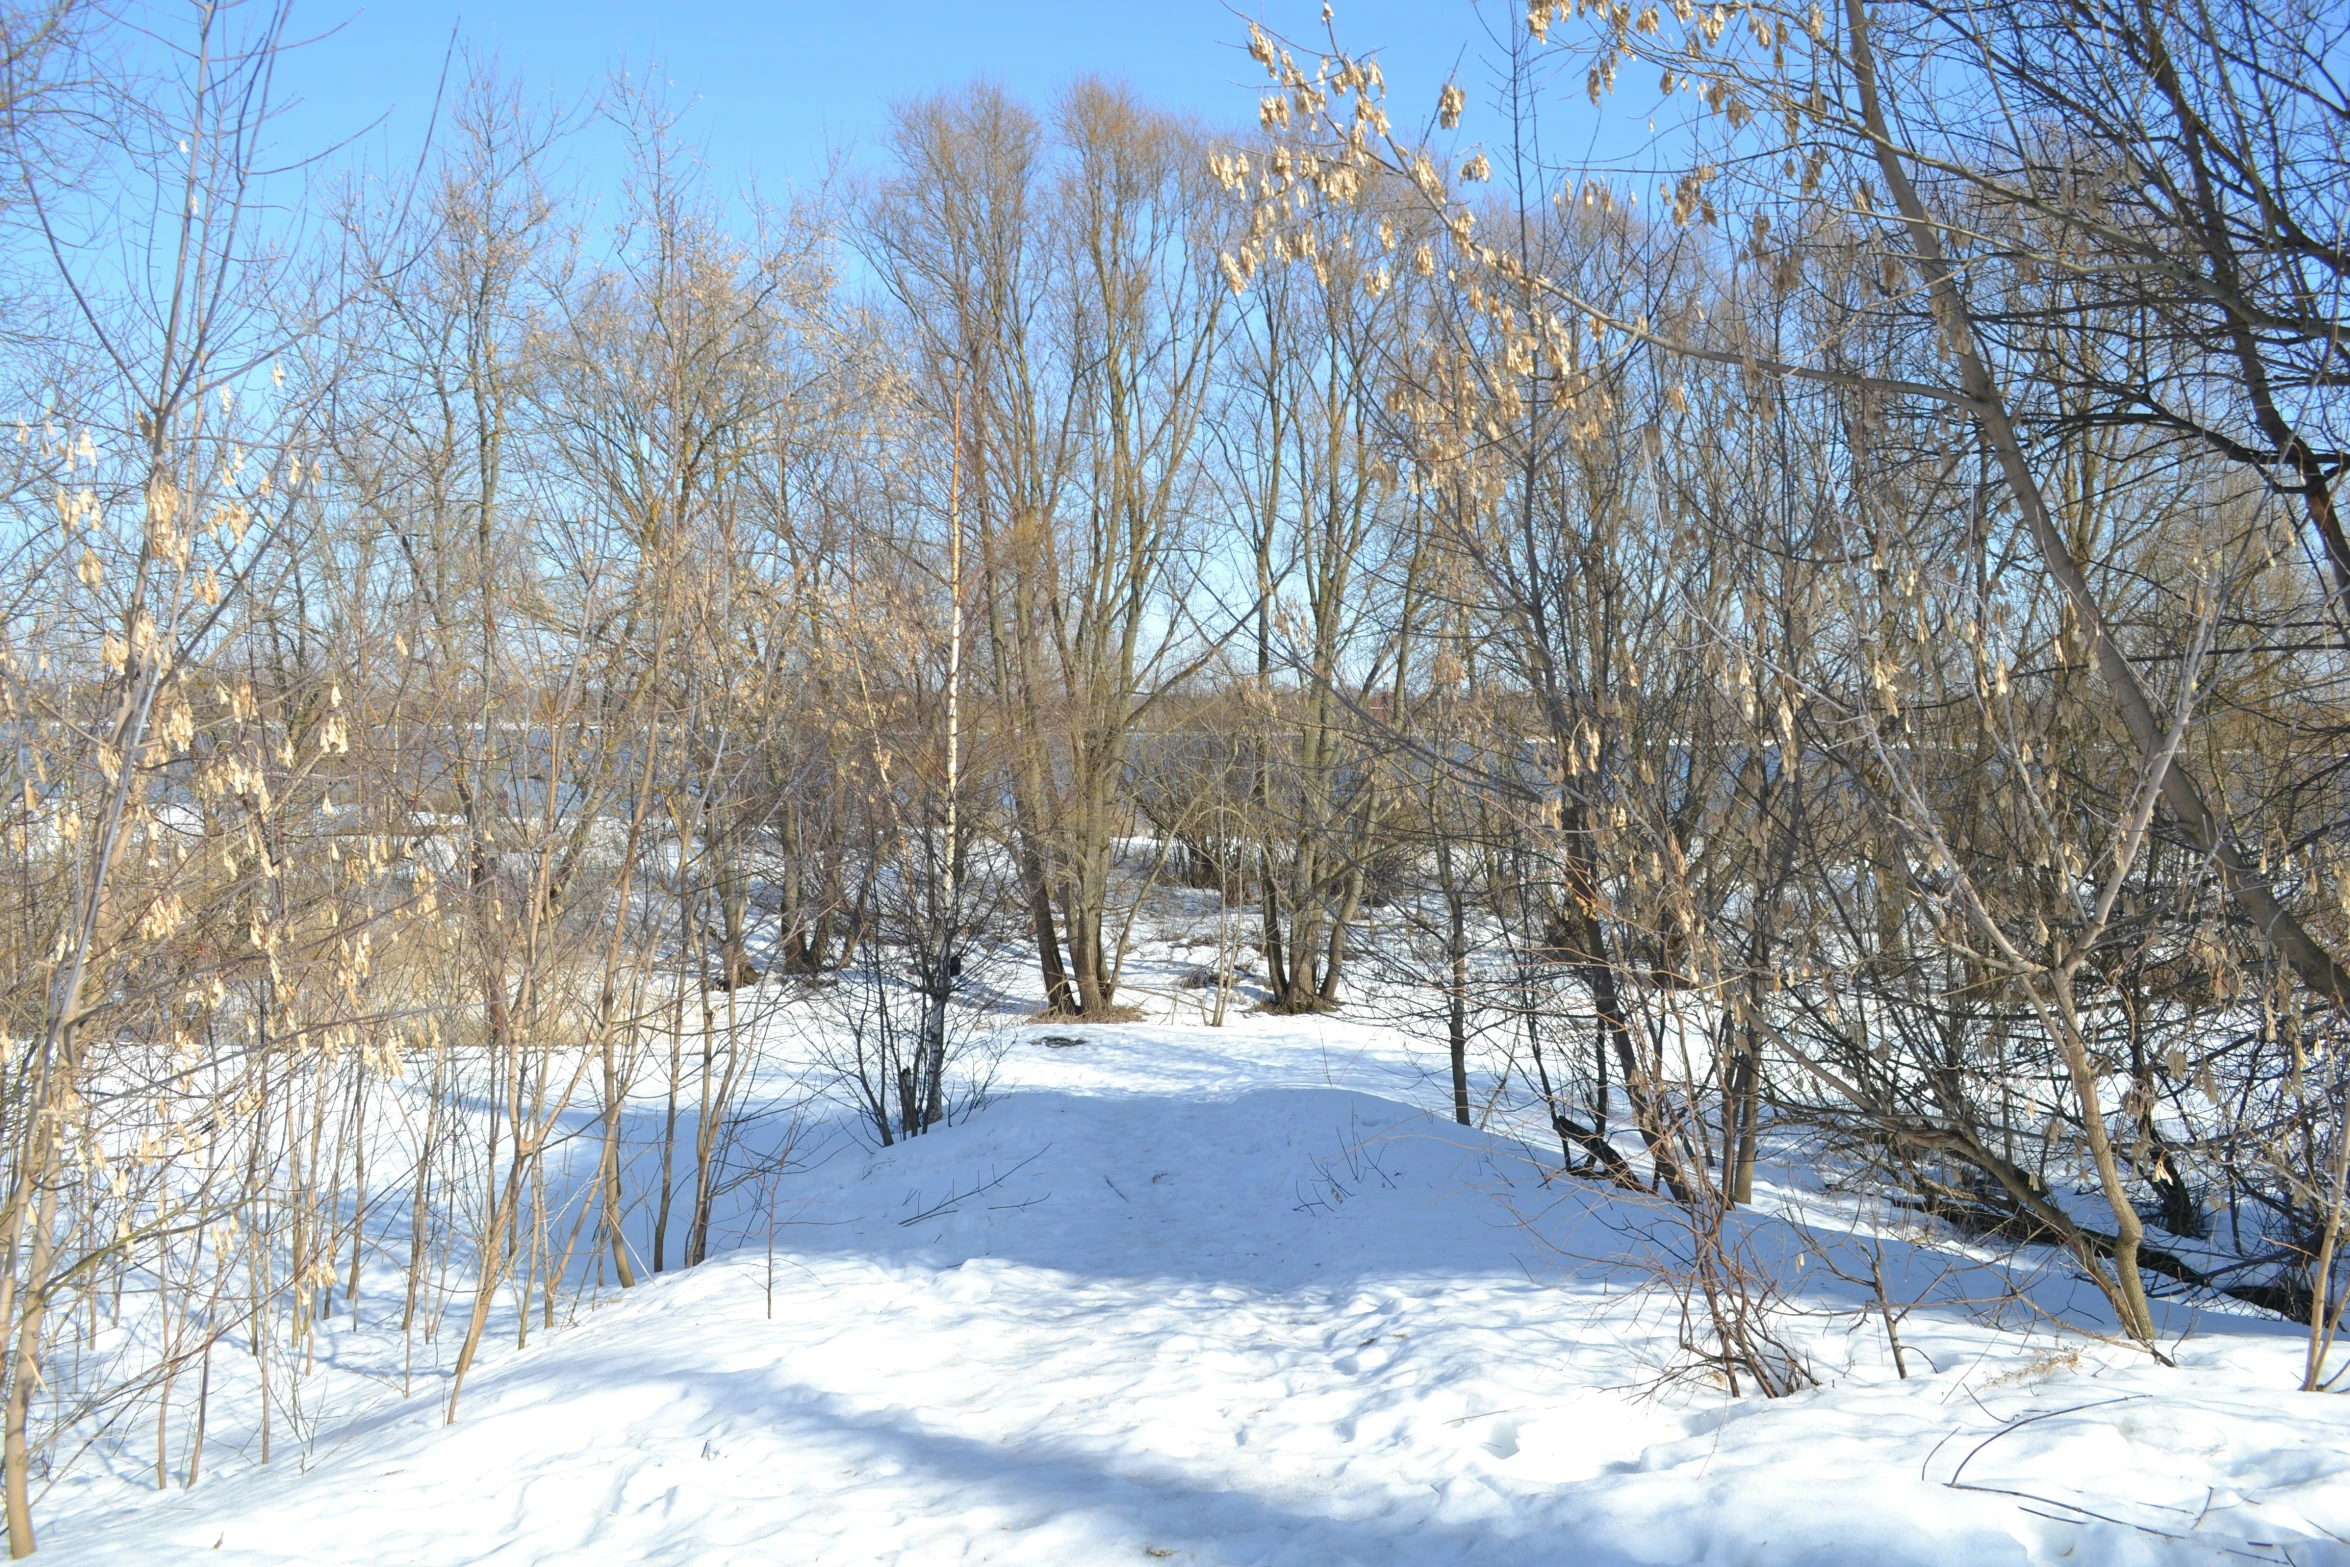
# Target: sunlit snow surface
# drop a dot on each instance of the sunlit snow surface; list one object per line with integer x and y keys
{"x": 1235, "y": 1296}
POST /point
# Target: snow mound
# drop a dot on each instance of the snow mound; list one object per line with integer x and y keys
{"x": 1161, "y": 1303}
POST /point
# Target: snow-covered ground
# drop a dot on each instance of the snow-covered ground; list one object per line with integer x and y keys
{"x": 1237, "y": 1296}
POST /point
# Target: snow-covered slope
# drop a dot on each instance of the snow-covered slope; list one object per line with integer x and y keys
{"x": 1234, "y": 1296}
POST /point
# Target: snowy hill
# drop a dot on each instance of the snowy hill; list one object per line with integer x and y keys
{"x": 1236, "y": 1296}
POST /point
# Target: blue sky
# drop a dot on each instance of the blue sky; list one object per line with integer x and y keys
{"x": 774, "y": 83}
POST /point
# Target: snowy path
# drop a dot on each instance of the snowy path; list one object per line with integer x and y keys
{"x": 1231, "y": 1297}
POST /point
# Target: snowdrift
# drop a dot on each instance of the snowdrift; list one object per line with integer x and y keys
{"x": 1236, "y": 1297}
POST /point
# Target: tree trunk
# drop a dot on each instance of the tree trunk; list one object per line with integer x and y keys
{"x": 1457, "y": 1011}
